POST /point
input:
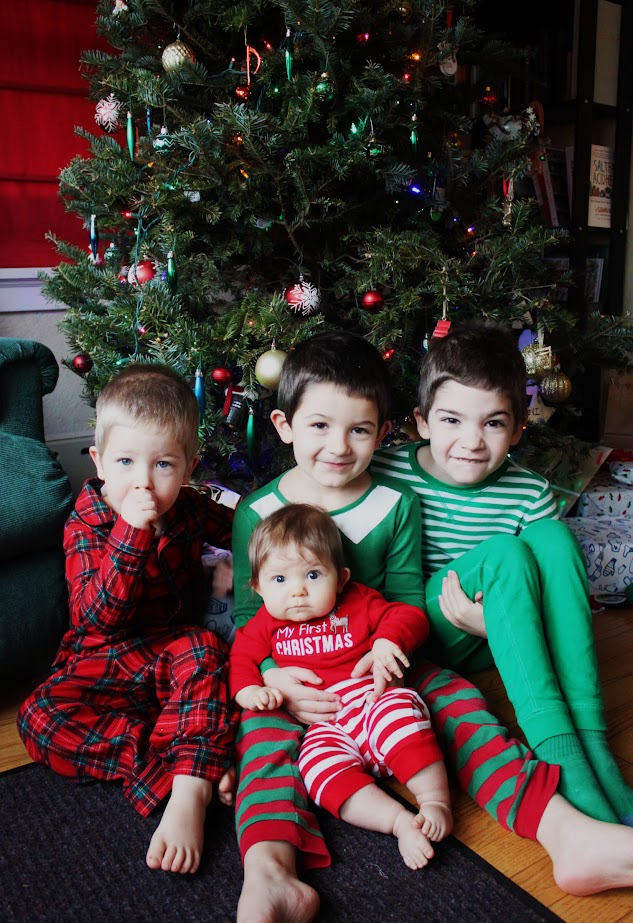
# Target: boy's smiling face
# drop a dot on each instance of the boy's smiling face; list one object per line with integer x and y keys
{"x": 470, "y": 430}
{"x": 333, "y": 435}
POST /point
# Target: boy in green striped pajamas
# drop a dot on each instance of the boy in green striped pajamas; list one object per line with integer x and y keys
{"x": 333, "y": 409}
{"x": 505, "y": 580}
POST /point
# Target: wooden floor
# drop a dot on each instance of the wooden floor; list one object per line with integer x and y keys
{"x": 525, "y": 862}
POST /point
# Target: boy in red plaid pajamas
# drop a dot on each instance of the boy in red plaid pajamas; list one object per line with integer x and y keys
{"x": 139, "y": 693}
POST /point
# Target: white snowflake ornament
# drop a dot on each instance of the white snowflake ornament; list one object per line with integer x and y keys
{"x": 303, "y": 298}
{"x": 107, "y": 113}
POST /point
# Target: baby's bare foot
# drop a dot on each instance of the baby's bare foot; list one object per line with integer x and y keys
{"x": 226, "y": 787}
{"x": 437, "y": 820}
{"x": 415, "y": 848}
{"x": 177, "y": 842}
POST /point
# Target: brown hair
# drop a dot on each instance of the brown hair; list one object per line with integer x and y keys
{"x": 479, "y": 354}
{"x": 339, "y": 358}
{"x": 151, "y": 395}
{"x": 299, "y": 525}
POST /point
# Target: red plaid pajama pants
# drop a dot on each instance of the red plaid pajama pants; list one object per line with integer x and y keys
{"x": 140, "y": 711}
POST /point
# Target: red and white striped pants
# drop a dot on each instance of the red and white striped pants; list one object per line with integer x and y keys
{"x": 366, "y": 740}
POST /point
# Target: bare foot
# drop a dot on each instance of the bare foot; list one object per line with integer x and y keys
{"x": 177, "y": 842}
{"x": 588, "y": 855}
{"x": 415, "y": 848}
{"x": 437, "y": 820}
{"x": 226, "y": 787}
{"x": 272, "y": 893}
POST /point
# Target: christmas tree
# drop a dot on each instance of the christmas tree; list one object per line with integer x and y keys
{"x": 266, "y": 168}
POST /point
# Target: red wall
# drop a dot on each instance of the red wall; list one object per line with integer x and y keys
{"x": 42, "y": 98}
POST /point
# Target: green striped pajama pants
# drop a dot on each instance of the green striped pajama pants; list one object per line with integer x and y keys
{"x": 495, "y": 769}
{"x": 539, "y": 626}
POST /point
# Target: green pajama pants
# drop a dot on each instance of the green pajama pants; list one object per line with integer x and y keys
{"x": 539, "y": 626}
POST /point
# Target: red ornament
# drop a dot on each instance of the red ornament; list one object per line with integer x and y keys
{"x": 142, "y": 272}
{"x": 441, "y": 329}
{"x": 221, "y": 375}
{"x": 82, "y": 364}
{"x": 303, "y": 297}
{"x": 243, "y": 91}
{"x": 372, "y": 301}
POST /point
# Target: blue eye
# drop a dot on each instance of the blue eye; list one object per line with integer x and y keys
{"x": 125, "y": 462}
{"x": 313, "y": 574}
{"x": 163, "y": 465}
{"x": 278, "y": 578}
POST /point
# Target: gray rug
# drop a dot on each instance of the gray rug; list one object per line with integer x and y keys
{"x": 75, "y": 854}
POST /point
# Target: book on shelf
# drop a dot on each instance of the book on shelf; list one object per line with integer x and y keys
{"x": 600, "y": 184}
{"x": 550, "y": 186}
{"x": 593, "y": 278}
{"x": 594, "y": 266}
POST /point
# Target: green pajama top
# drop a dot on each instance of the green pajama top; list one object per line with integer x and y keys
{"x": 456, "y": 519}
{"x": 380, "y": 533}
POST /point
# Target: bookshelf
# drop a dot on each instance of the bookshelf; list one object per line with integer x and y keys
{"x": 581, "y": 71}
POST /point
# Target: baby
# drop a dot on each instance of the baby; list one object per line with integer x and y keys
{"x": 314, "y": 617}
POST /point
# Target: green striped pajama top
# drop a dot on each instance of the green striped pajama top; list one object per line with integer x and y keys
{"x": 456, "y": 519}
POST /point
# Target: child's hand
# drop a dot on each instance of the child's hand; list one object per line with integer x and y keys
{"x": 259, "y": 698}
{"x": 306, "y": 704}
{"x": 139, "y": 508}
{"x": 387, "y": 663}
{"x": 222, "y": 578}
{"x": 459, "y": 610}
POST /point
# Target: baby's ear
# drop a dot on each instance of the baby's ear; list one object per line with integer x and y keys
{"x": 281, "y": 424}
{"x": 343, "y": 576}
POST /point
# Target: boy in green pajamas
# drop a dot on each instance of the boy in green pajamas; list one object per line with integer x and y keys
{"x": 333, "y": 408}
{"x": 506, "y": 582}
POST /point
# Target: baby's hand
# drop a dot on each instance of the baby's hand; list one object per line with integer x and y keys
{"x": 259, "y": 698}
{"x": 139, "y": 508}
{"x": 387, "y": 663}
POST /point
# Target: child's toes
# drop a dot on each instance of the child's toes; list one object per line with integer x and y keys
{"x": 416, "y": 859}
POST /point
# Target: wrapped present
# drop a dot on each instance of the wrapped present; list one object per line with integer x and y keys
{"x": 217, "y": 614}
{"x": 605, "y": 497}
{"x": 622, "y": 472}
{"x": 608, "y": 548}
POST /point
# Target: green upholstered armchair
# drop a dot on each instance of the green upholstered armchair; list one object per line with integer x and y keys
{"x": 35, "y": 500}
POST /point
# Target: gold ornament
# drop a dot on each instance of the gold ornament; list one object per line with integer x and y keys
{"x": 176, "y": 56}
{"x": 555, "y": 387}
{"x": 538, "y": 359}
{"x": 268, "y": 368}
